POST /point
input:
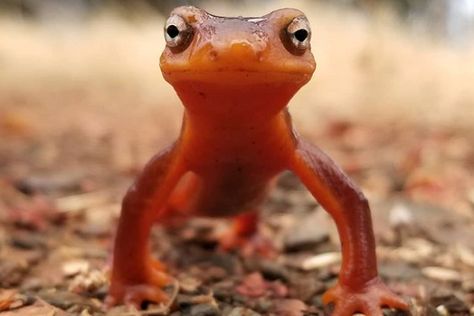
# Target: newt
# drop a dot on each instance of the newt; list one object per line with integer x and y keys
{"x": 235, "y": 77}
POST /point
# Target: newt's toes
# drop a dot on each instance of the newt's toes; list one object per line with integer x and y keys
{"x": 160, "y": 278}
{"x": 158, "y": 265}
{"x": 135, "y": 295}
{"x": 393, "y": 301}
{"x": 368, "y": 300}
{"x": 146, "y": 287}
{"x": 138, "y": 294}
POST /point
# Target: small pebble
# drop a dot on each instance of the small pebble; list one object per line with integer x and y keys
{"x": 400, "y": 215}
{"x": 288, "y": 181}
{"x": 216, "y": 274}
{"x": 85, "y": 312}
{"x": 308, "y": 232}
{"x": 32, "y": 284}
{"x": 74, "y": 267}
{"x": 468, "y": 285}
{"x": 290, "y": 307}
{"x": 49, "y": 183}
{"x": 28, "y": 241}
{"x": 189, "y": 285}
{"x": 399, "y": 270}
{"x": 262, "y": 305}
{"x": 441, "y": 309}
{"x": 190, "y": 300}
{"x": 204, "y": 310}
{"x": 241, "y": 311}
{"x": 305, "y": 288}
{"x": 12, "y": 273}
{"x": 450, "y": 302}
{"x": 62, "y": 299}
{"x": 93, "y": 230}
{"x": 253, "y": 285}
{"x": 271, "y": 270}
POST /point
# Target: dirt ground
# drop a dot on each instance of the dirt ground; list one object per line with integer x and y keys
{"x": 82, "y": 109}
{"x": 58, "y": 217}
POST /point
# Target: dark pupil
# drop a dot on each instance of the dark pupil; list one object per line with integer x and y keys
{"x": 172, "y": 31}
{"x": 301, "y": 35}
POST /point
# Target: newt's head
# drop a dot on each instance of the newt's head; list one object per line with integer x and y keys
{"x": 204, "y": 51}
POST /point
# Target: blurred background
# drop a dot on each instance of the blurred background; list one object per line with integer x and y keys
{"x": 83, "y": 106}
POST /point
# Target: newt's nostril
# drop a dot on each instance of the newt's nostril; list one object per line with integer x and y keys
{"x": 213, "y": 55}
{"x": 242, "y": 49}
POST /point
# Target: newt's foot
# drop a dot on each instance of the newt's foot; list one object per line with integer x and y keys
{"x": 158, "y": 265}
{"x": 369, "y": 300}
{"x": 146, "y": 288}
{"x": 248, "y": 245}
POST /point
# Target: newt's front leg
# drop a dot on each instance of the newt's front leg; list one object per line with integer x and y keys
{"x": 136, "y": 277}
{"x": 359, "y": 288}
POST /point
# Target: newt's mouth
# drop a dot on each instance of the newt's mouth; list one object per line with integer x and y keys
{"x": 236, "y": 76}
{"x": 234, "y": 71}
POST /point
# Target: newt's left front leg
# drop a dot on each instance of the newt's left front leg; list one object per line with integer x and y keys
{"x": 136, "y": 277}
{"x": 359, "y": 288}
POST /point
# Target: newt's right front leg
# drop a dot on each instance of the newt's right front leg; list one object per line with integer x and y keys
{"x": 359, "y": 288}
{"x": 136, "y": 276}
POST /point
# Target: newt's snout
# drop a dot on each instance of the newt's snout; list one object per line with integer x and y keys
{"x": 237, "y": 51}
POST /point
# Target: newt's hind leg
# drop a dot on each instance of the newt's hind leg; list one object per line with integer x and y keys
{"x": 244, "y": 236}
{"x": 136, "y": 277}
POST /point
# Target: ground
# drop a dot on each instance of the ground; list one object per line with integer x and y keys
{"x": 57, "y": 223}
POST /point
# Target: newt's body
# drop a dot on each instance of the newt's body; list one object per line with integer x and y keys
{"x": 235, "y": 77}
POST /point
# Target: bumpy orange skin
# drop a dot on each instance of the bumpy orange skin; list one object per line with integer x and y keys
{"x": 235, "y": 79}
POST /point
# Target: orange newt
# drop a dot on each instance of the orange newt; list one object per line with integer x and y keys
{"x": 235, "y": 77}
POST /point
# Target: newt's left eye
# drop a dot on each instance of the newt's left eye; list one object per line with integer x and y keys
{"x": 178, "y": 33}
{"x": 298, "y": 35}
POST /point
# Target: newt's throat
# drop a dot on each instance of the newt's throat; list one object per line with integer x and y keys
{"x": 234, "y": 103}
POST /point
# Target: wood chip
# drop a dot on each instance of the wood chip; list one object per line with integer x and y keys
{"x": 88, "y": 281}
{"x": 465, "y": 255}
{"x": 7, "y": 297}
{"x": 321, "y": 261}
{"x": 85, "y": 313}
{"x": 470, "y": 196}
{"x": 38, "y": 308}
{"x": 79, "y": 202}
{"x": 441, "y": 274}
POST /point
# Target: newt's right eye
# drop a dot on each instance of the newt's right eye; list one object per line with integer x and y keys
{"x": 297, "y": 35}
{"x": 178, "y": 33}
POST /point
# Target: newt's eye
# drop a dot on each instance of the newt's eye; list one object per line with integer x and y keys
{"x": 178, "y": 33}
{"x": 298, "y": 35}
